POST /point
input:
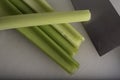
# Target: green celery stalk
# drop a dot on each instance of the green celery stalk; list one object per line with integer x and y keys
{"x": 66, "y": 30}
{"x": 45, "y": 43}
{"x": 28, "y": 20}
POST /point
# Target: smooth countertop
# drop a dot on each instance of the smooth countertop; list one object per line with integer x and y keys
{"x": 19, "y": 58}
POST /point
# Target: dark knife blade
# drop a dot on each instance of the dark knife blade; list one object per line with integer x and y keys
{"x": 104, "y": 27}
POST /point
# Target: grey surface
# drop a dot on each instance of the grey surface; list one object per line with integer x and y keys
{"x": 19, "y": 58}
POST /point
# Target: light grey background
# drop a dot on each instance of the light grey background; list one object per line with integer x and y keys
{"x": 19, "y": 58}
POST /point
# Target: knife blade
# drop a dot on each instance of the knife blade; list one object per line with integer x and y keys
{"x": 104, "y": 27}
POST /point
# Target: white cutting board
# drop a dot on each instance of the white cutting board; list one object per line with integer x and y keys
{"x": 19, "y": 58}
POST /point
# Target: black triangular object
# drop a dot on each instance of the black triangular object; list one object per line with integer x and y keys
{"x": 104, "y": 27}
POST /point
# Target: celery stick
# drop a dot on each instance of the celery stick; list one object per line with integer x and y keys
{"x": 59, "y": 39}
{"x": 67, "y": 30}
{"x": 32, "y": 34}
{"x": 27, "y": 20}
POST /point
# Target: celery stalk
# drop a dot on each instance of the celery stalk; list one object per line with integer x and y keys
{"x": 28, "y": 20}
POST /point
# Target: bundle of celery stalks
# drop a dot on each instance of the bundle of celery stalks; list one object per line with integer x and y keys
{"x": 47, "y": 29}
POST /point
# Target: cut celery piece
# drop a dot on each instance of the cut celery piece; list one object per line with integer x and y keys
{"x": 28, "y": 20}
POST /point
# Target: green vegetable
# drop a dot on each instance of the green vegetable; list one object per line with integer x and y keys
{"x": 28, "y": 20}
{"x": 43, "y": 37}
{"x": 42, "y": 40}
